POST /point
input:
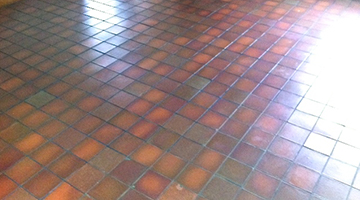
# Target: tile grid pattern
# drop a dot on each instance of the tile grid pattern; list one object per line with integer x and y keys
{"x": 172, "y": 99}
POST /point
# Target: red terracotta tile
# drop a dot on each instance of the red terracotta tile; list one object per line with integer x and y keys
{"x": 9, "y": 156}
{"x": 88, "y": 124}
{"x": 20, "y": 193}
{"x": 29, "y": 143}
{"x": 35, "y": 119}
{"x": 258, "y": 138}
{"x": 176, "y": 191}
{"x": 64, "y": 191}
{"x": 89, "y": 103}
{"x": 128, "y": 171}
{"x": 147, "y": 154}
{"x": 71, "y": 115}
{"x": 65, "y": 165}
{"x": 219, "y": 188}
{"x": 126, "y": 143}
{"x": 108, "y": 188}
{"x": 17, "y": 112}
{"x": 85, "y": 178}
{"x": 173, "y": 103}
{"x": 209, "y": 159}
{"x": 159, "y": 115}
{"x": 152, "y": 184}
{"x": 106, "y": 133}
{"x": 107, "y": 160}
{"x": 23, "y": 170}
{"x": 269, "y": 124}
{"x": 7, "y": 186}
{"x": 52, "y": 128}
{"x": 234, "y": 128}
{"x": 194, "y": 178}
{"x": 139, "y": 107}
{"x": 122, "y": 99}
{"x": 124, "y": 119}
{"x": 284, "y": 148}
{"x": 164, "y": 139}
{"x": 224, "y": 107}
{"x": 143, "y": 129}
{"x": 186, "y": 149}
{"x": 42, "y": 183}
{"x": 14, "y": 132}
{"x": 87, "y": 149}
{"x": 212, "y": 119}
{"x": 199, "y": 133}
{"x": 133, "y": 194}
{"x": 222, "y": 143}
{"x": 262, "y": 184}
{"x": 178, "y": 124}
{"x": 192, "y": 111}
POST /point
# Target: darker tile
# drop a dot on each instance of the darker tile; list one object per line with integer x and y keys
{"x": 108, "y": 188}
{"x": 128, "y": 171}
{"x": 42, "y": 183}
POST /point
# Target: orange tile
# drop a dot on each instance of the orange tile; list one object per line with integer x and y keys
{"x": 23, "y": 170}
{"x": 126, "y": 143}
{"x": 7, "y": 186}
{"x": 88, "y": 124}
{"x": 87, "y": 149}
{"x": 194, "y": 178}
{"x": 262, "y": 184}
{"x": 64, "y": 191}
{"x": 143, "y": 129}
{"x": 209, "y": 159}
{"x": 106, "y": 133}
{"x": 152, "y": 184}
{"x": 20, "y": 193}
{"x": 42, "y": 183}
{"x": 9, "y": 156}
{"x": 169, "y": 165}
{"x": 65, "y": 165}
{"x": 164, "y": 139}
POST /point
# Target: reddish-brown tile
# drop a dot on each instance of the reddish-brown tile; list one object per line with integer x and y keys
{"x": 42, "y": 183}
{"x": 126, "y": 143}
{"x": 7, "y": 186}
{"x": 194, "y": 178}
{"x": 222, "y": 143}
{"x": 64, "y": 191}
{"x": 234, "y": 128}
{"x": 65, "y": 165}
{"x": 23, "y": 170}
{"x": 87, "y": 149}
{"x": 176, "y": 191}
{"x": 247, "y": 154}
{"x": 9, "y": 156}
{"x": 219, "y": 188}
{"x": 164, "y": 139}
{"x": 128, "y": 171}
{"x": 124, "y": 119}
{"x": 147, "y": 154}
{"x": 20, "y": 193}
{"x": 209, "y": 159}
{"x": 186, "y": 149}
{"x": 152, "y": 184}
{"x": 85, "y": 178}
{"x": 262, "y": 184}
{"x": 108, "y": 188}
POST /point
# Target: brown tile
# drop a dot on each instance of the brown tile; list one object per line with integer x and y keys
{"x": 35, "y": 119}
{"x": 173, "y": 103}
{"x": 124, "y": 119}
{"x": 88, "y": 124}
{"x": 199, "y": 133}
{"x": 23, "y": 170}
{"x": 209, "y": 159}
{"x": 234, "y": 171}
{"x": 64, "y": 191}
{"x": 52, "y": 128}
{"x": 234, "y": 128}
{"x": 107, "y": 160}
{"x": 258, "y": 138}
{"x": 192, "y": 111}
{"x": 18, "y": 112}
{"x": 220, "y": 189}
{"x": 108, "y": 188}
{"x": 178, "y": 124}
{"x": 87, "y": 149}
{"x": 126, "y": 143}
{"x": 73, "y": 95}
{"x": 29, "y": 143}
{"x": 143, "y": 129}
{"x": 147, "y": 154}
{"x": 65, "y": 165}
{"x": 9, "y": 156}
{"x": 247, "y": 154}
{"x": 284, "y": 148}
{"x": 139, "y": 107}
{"x": 194, "y": 178}
{"x": 331, "y": 189}
{"x": 164, "y": 139}
{"x": 303, "y": 178}
{"x": 269, "y": 124}
{"x": 159, "y": 115}
{"x": 69, "y": 138}
{"x": 106, "y": 133}
{"x": 85, "y": 178}
{"x": 42, "y": 183}
{"x": 212, "y": 119}
{"x": 133, "y": 194}
{"x": 186, "y": 149}
{"x": 169, "y": 165}
{"x": 152, "y": 184}
{"x": 72, "y": 115}
{"x": 128, "y": 171}
{"x": 176, "y": 191}
{"x": 89, "y": 103}
{"x": 7, "y": 186}
{"x": 14, "y": 132}
{"x": 20, "y": 193}
{"x": 273, "y": 165}
{"x": 262, "y": 185}
{"x": 222, "y": 143}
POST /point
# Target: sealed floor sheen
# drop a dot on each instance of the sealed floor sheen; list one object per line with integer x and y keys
{"x": 179, "y": 99}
